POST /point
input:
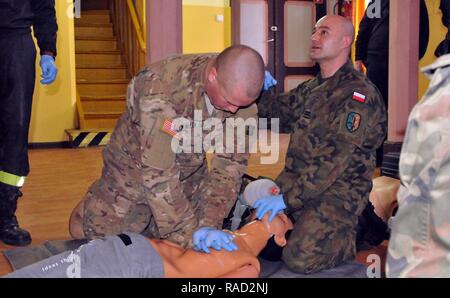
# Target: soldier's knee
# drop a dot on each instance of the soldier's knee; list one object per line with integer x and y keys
{"x": 300, "y": 259}
{"x": 76, "y": 221}
{"x": 305, "y": 263}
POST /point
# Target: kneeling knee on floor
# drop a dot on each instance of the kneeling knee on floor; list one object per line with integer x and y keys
{"x": 307, "y": 264}
{"x": 301, "y": 261}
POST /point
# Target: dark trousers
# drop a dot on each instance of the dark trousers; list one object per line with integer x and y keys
{"x": 17, "y": 76}
{"x": 378, "y": 74}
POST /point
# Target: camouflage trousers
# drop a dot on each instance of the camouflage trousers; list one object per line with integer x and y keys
{"x": 324, "y": 236}
{"x": 113, "y": 206}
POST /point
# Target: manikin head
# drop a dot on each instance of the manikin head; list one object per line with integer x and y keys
{"x": 277, "y": 228}
{"x": 234, "y": 78}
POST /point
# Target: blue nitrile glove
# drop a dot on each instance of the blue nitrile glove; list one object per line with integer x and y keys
{"x": 274, "y": 204}
{"x": 269, "y": 81}
{"x": 209, "y": 237}
{"x": 48, "y": 68}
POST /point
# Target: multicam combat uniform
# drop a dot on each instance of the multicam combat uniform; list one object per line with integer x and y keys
{"x": 336, "y": 125}
{"x": 145, "y": 187}
{"x": 420, "y": 237}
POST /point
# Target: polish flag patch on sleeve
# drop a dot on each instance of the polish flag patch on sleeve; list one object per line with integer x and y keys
{"x": 359, "y": 97}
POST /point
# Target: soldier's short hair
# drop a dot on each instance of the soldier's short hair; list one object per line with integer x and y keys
{"x": 240, "y": 65}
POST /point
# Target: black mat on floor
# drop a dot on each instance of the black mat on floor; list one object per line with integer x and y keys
{"x": 345, "y": 270}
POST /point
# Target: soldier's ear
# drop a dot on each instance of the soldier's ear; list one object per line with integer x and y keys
{"x": 347, "y": 41}
{"x": 212, "y": 75}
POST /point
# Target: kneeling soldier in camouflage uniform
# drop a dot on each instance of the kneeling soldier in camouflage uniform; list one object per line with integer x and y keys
{"x": 337, "y": 120}
{"x": 145, "y": 186}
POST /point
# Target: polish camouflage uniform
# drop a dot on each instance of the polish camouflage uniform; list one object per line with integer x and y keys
{"x": 145, "y": 187}
{"x": 420, "y": 237}
{"x": 329, "y": 165}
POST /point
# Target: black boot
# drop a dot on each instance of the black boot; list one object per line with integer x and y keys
{"x": 10, "y": 233}
{"x": 371, "y": 230}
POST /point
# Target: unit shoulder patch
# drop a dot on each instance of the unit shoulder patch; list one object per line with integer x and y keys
{"x": 353, "y": 121}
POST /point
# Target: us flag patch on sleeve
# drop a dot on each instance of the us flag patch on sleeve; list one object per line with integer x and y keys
{"x": 169, "y": 128}
{"x": 359, "y": 97}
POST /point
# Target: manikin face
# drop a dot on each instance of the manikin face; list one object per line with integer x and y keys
{"x": 326, "y": 40}
{"x": 222, "y": 100}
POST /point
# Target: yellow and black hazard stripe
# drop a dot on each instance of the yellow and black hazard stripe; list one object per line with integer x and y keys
{"x": 88, "y": 139}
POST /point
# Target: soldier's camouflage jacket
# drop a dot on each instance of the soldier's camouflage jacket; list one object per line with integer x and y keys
{"x": 336, "y": 125}
{"x": 141, "y": 167}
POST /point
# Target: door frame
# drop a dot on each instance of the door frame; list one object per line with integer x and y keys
{"x": 275, "y": 49}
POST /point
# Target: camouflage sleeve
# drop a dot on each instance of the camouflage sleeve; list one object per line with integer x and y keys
{"x": 171, "y": 210}
{"x": 356, "y": 130}
{"x": 282, "y": 106}
{"x": 220, "y": 188}
{"x": 423, "y": 206}
{"x": 419, "y": 242}
{"x": 147, "y": 104}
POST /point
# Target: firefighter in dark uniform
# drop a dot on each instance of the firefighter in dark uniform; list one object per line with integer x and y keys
{"x": 444, "y": 46}
{"x": 17, "y": 78}
{"x": 372, "y": 44}
{"x": 372, "y": 48}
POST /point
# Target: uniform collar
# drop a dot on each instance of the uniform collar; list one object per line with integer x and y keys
{"x": 199, "y": 93}
{"x": 200, "y": 104}
{"x": 441, "y": 62}
{"x": 199, "y": 98}
{"x": 222, "y": 115}
{"x": 333, "y": 81}
{"x": 209, "y": 105}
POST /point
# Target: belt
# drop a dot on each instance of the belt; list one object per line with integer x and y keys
{"x": 125, "y": 239}
{"x": 8, "y": 32}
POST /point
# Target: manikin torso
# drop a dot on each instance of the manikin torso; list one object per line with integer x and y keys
{"x": 250, "y": 239}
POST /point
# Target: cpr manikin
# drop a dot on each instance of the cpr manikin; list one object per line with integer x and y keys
{"x": 250, "y": 239}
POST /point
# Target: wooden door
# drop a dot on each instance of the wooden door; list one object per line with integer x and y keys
{"x": 280, "y": 30}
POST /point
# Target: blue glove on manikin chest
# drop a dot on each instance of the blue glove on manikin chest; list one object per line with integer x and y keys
{"x": 206, "y": 237}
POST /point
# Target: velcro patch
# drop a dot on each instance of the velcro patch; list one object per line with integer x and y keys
{"x": 353, "y": 121}
{"x": 307, "y": 114}
{"x": 359, "y": 97}
{"x": 169, "y": 128}
{"x": 305, "y": 119}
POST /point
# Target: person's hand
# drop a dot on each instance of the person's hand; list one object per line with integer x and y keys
{"x": 48, "y": 68}
{"x": 269, "y": 81}
{"x": 272, "y": 204}
{"x": 206, "y": 237}
{"x": 358, "y": 65}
